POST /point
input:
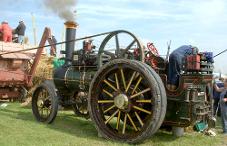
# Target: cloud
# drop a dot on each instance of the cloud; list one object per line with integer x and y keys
{"x": 125, "y": 14}
{"x": 207, "y": 12}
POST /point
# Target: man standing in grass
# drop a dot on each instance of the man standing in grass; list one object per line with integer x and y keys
{"x": 217, "y": 89}
{"x": 223, "y": 105}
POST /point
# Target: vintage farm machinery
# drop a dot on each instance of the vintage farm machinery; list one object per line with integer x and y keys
{"x": 17, "y": 67}
{"x": 123, "y": 88}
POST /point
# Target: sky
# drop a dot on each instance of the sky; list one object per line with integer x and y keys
{"x": 200, "y": 23}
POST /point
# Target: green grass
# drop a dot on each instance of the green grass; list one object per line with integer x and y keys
{"x": 19, "y": 128}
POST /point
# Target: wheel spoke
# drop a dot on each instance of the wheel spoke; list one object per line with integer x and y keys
{"x": 47, "y": 112}
{"x": 129, "y": 84}
{"x": 139, "y": 119}
{"x": 139, "y": 93}
{"x": 46, "y": 95}
{"x": 108, "y": 93}
{"x": 128, "y": 47}
{"x": 117, "y": 45}
{"x": 133, "y": 124}
{"x": 41, "y": 112}
{"x": 39, "y": 109}
{"x": 123, "y": 78}
{"x": 112, "y": 55}
{"x": 116, "y": 80}
{"x": 118, "y": 120}
{"x": 124, "y": 125}
{"x": 137, "y": 85}
{"x": 110, "y": 85}
{"x": 143, "y": 101}
{"x": 105, "y": 101}
{"x": 44, "y": 112}
{"x": 109, "y": 109}
{"x": 42, "y": 94}
{"x": 111, "y": 117}
{"x": 141, "y": 109}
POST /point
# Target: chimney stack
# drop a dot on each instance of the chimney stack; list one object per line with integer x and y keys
{"x": 69, "y": 46}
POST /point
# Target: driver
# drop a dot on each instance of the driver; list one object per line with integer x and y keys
{"x": 176, "y": 64}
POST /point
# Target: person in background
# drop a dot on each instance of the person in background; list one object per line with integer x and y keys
{"x": 217, "y": 89}
{"x": 20, "y": 31}
{"x": 53, "y": 48}
{"x": 6, "y": 31}
{"x": 223, "y": 105}
{"x": 176, "y": 64}
{"x": 1, "y": 33}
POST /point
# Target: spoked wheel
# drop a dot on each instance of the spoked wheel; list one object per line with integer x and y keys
{"x": 112, "y": 48}
{"x": 45, "y": 102}
{"x": 80, "y": 110}
{"x": 80, "y": 107}
{"x": 127, "y": 101}
{"x": 23, "y": 94}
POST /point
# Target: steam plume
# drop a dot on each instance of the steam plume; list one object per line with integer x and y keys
{"x": 63, "y": 8}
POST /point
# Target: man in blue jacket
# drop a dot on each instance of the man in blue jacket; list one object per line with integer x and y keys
{"x": 223, "y": 105}
{"x": 176, "y": 59}
{"x": 217, "y": 89}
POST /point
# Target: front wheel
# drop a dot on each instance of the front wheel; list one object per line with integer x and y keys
{"x": 45, "y": 102}
{"x": 127, "y": 101}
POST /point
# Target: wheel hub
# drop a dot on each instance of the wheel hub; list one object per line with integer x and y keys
{"x": 40, "y": 103}
{"x": 121, "y": 101}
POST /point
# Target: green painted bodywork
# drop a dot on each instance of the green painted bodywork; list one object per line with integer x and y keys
{"x": 78, "y": 77}
{"x": 189, "y": 103}
{"x": 184, "y": 106}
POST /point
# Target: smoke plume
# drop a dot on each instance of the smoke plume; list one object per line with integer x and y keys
{"x": 63, "y": 8}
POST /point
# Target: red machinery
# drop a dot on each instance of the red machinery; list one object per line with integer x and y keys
{"x": 18, "y": 68}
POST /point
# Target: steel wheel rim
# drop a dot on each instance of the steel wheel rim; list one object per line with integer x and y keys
{"x": 132, "y": 115}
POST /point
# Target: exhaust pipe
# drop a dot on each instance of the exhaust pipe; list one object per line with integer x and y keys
{"x": 69, "y": 46}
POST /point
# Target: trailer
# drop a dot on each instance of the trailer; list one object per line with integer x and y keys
{"x": 18, "y": 68}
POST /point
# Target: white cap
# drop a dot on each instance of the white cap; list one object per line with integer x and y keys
{"x": 4, "y": 21}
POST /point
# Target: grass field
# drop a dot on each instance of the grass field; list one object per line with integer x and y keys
{"x": 18, "y": 128}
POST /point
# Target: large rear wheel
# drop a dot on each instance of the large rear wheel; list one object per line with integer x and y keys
{"x": 126, "y": 102}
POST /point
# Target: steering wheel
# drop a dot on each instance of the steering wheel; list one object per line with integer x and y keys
{"x": 153, "y": 49}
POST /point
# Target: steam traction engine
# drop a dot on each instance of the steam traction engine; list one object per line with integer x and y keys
{"x": 123, "y": 89}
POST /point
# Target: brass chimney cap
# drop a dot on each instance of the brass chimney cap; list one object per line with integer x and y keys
{"x": 71, "y": 24}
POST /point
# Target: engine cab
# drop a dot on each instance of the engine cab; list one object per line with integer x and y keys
{"x": 191, "y": 101}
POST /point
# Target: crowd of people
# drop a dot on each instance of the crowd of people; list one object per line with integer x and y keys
{"x": 7, "y": 34}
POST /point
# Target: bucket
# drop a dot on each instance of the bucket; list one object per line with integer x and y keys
{"x": 178, "y": 131}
